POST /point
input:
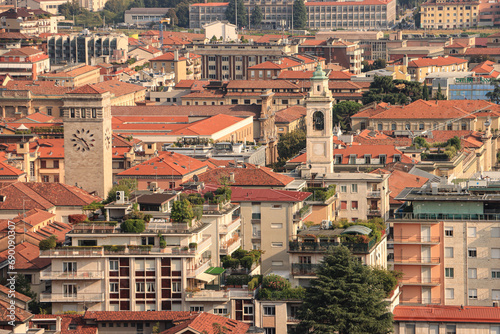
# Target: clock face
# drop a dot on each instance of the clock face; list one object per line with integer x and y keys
{"x": 83, "y": 140}
{"x": 107, "y": 138}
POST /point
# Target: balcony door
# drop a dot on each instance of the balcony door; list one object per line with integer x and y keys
{"x": 426, "y": 274}
{"x": 425, "y": 233}
{"x": 426, "y": 295}
{"x": 426, "y": 254}
{"x": 69, "y": 290}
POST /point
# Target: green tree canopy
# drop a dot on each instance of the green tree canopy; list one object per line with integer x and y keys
{"x": 291, "y": 143}
{"x": 299, "y": 14}
{"x": 173, "y": 17}
{"x": 182, "y": 211}
{"x": 425, "y": 92}
{"x": 439, "y": 94}
{"x": 242, "y": 13}
{"x": 494, "y": 95}
{"x": 182, "y": 13}
{"x": 126, "y": 185}
{"x": 377, "y": 64}
{"x": 342, "y": 113}
{"x": 346, "y": 298}
{"x": 256, "y": 17}
{"x": 384, "y": 89}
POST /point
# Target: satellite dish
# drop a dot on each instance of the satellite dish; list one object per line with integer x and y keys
{"x": 195, "y": 178}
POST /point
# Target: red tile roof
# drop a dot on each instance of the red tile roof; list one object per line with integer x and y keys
{"x": 19, "y": 314}
{"x": 37, "y": 87}
{"x": 204, "y": 323}
{"x": 72, "y": 73}
{"x": 211, "y": 4}
{"x": 261, "y": 176}
{"x": 435, "y": 61}
{"x": 166, "y": 164}
{"x": 70, "y": 319}
{"x": 340, "y": 75}
{"x": 87, "y": 89}
{"x": 399, "y": 180}
{"x": 25, "y": 51}
{"x": 474, "y": 314}
{"x": 8, "y": 171}
{"x": 267, "y": 195}
{"x": 261, "y": 84}
{"x": 20, "y": 296}
{"x": 118, "y": 88}
{"x": 290, "y": 114}
{"x": 101, "y": 316}
{"x": 27, "y": 257}
{"x": 456, "y": 45}
{"x": 211, "y": 110}
{"x": 482, "y": 51}
{"x": 361, "y": 150}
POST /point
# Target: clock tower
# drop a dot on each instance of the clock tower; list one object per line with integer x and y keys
{"x": 88, "y": 139}
{"x": 319, "y": 125}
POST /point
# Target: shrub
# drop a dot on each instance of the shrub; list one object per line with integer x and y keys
{"x": 193, "y": 245}
{"x": 238, "y": 279}
{"x": 209, "y": 196}
{"x": 253, "y": 284}
{"x": 229, "y": 262}
{"x": 195, "y": 199}
{"x": 49, "y": 243}
{"x": 246, "y": 262}
{"x": 114, "y": 248}
{"x": 163, "y": 243}
{"x": 133, "y": 226}
{"x": 182, "y": 211}
{"x": 77, "y": 218}
{"x": 239, "y": 253}
{"x": 275, "y": 282}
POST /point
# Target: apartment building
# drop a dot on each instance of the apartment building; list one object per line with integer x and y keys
{"x": 87, "y": 47}
{"x": 230, "y": 61}
{"x": 201, "y": 14}
{"x": 270, "y": 217}
{"x": 421, "y": 67}
{"x": 145, "y": 16}
{"x": 74, "y": 76}
{"x": 272, "y": 69}
{"x": 445, "y": 241}
{"x": 187, "y": 67}
{"x": 367, "y": 14}
{"x": 438, "y": 14}
{"x": 28, "y": 21}
{"x": 337, "y": 51}
{"x": 24, "y": 63}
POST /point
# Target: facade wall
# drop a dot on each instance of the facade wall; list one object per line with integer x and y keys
{"x": 449, "y": 15}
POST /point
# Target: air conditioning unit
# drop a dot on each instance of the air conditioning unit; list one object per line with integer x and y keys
{"x": 120, "y": 197}
{"x": 153, "y": 186}
{"x": 496, "y": 303}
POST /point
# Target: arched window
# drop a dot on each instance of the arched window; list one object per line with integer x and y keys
{"x": 318, "y": 121}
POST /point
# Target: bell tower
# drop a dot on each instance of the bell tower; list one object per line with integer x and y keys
{"x": 88, "y": 140}
{"x": 319, "y": 125}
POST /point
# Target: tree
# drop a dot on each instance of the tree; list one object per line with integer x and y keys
{"x": 291, "y": 143}
{"x": 425, "y": 92}
{"x": 182, "y": 13}
{"x": 256, "y": 17}
{"x": 231, "y": 13}
{"x": 299, "y": 14}
{"x": 49, "y": 243}
{"x": 494, "y": 96}
{"x": 182, "y": 211}
{"x": 347, "y": 297}
{"x": 439, "y": 93}
{"x": 133, "y": 226}
{"x": 126, "y": 185}
{"x": 342, "y": 113}
{"x": 383, "y": 88}
{"x": 23, "y": 285}
{"x": 377, "y": 64}
{"x": 173, "y": 17}
{"x": 480, "y": 59}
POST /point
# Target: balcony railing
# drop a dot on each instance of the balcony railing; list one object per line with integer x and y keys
{"x": 444, "y": 216}
{"x": 49, "y": 297}
{"x": 304, "y": 269}
{"x": 77, "y": 275}
{"x": 298, "y": 246}
{"x": 256, "y": 215}
{"x": 72, "y": 252}
{"x": 231, "y": 245}
{"x": 416, "y": 260}
{"x": 416, "y": 239}
{"x": 226, "y": 228}
{"x": 420, "y": 300}
{"x": 374, "y": 212}
{"x": 301, "y": 214}
{"x": 198, "y": 268}
{"x": 208, "y": 295}
{"x": 373, "y": 194}
{"x": 292, "y": 319}
{"x": 420, "y": 281}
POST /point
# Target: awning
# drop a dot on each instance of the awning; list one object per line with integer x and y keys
{"x": 215, "y": 270}
{"x": 205, "y": 277}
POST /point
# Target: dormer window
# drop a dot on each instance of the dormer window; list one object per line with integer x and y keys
{"x": 397, "y": 158}
{"x": 382, "y": 159}
{"x": 338, "y": 159}
{"x": 72, "y": 113}
{"x": 368, "y": 159}
{"x": 352, "y": 159}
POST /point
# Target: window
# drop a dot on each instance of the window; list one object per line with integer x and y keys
{"x": 472, "y": 273}
{"x": 471, "y": 232}
{"x": 472, "y": 252}
{"x": 247, "y": 310}
{"x": 354, "y": 188}
{"x": 343, "y": 205}
{"x": 495, "y": 273}
{"x": 397, "y": 158}
{"x": 150, "y": 287}
{"x": 343, "y": 189}
{"x": 43, "y": 164}
{"x": 276, "y": 244}
{"x": 495, "y": 294}
{"x": 220, "y": 311}
{"x": 495, "y": 232}
{"x": 269, "y": 310}
{"x": 69, "y": 267}
{"x": 176, "y": 286}
{"x": 49, "y": 111}
{"x": 449, "y": 293}
{"x": 451, "y": 329}
{"x": 69, "y": 290}
{"x": 270, "y": 330}
{"x": 448, "y": 252}
{"x": 56, "y": 164}
{"x": 139, "y": 287}
{"x": 410, "y": 328}
{"x": 472, "y": 293}
{"x": 113, "y": 287}
{"x": 277, "y": 225}
{"x": 354, "y": 205}
{"x": 449, "y": 272}
{"x": 197, "y": 309}
{"x": 495, "y": 253}
{"x": 94, "y": 112}
{"x": 448, "y": 231}
{"x": 83, "y": 113}
{"x": 276, "y": 206}
{"x": 305, "y": 259}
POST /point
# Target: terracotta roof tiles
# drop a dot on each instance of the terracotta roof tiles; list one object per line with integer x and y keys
{"x": 87, "y": 89}
{"x": 262, "y": 176}
{"x": 435, "y": 313}
{"x": 204, "y": 323}
{"x": 108, "y": 316}
{"x": 166, "y": 164}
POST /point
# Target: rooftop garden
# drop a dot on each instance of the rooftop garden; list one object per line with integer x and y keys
{"x": 439, "y": 151}
{"x": 242, "y": 259}
{"x": 188, "y": 142}
{"x": 219, "y": 197}
{"x": 275, "y": 287}
{"x": 321, "y": 194}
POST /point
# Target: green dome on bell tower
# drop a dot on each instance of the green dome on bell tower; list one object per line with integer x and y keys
{"x": 319, "y": 74}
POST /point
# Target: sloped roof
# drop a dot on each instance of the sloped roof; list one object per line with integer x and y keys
{"x": 24, "y": 51}
{"x": 166, "y": 164}
{"x": 290, "y": 114}
{"x": 267, "y": 195}
{"x": 261, "y": 176}
{"x": 37, "y": 87}
{"x": 399, "y": 180}
{"x": 204, "y": 323}
{"x": 208, "y": 126}
{"x": 20, "y": 296}
{"x": 108, "y": 316}
{"x": 117, "y": 87}
{"x": 27, "y": 257}
{"x": 436, "y": 61}
{"x": 20, "y": 315}
{"x": 8, "y": 171}
{"x": 261, "y": 84}
{"x": 482, "y": 51}
{"x": 71, "y": 319}
{"x": 87, "y": 89}
{"x": 436, "y": 313}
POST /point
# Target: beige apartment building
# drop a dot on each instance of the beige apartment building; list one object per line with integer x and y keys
{"x": 439, "y": 14}
{"x": 445, "y": 242}
{"x": 187, "y": 67}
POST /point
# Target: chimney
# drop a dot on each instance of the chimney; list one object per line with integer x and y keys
{"x": 176, "y": 55}
{"x": 58, "y": 324}
{"x": 231, "y": 177}
{"x": 405, "y": 60}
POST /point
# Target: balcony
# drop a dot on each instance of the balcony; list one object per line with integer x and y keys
{"x": 420, "y": 281}
{"x": 420, "y": 300}
{"x": 302, "y": 213}
{"x": 374, "y": 212}
{"x": 292, "y": 319}
{"x": 208, "y": 295}
{"x": 373, "y": 194}
{"x": 415, "y": 239}
{"x": 49, "y": 297}
{"x": 72, "y": 252}
{"x": 67, "y": 275}
{"x": 231, "y": 245}
{"x": 256, "y": 235}
{"x": 443, "y": 216}
{"x": 227, "y": 228}
{"x": 198, "y": 268}
{"x": 304, "y": 269}
{"x": 307, "y": 247}
{"x": 418, "y": 260}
